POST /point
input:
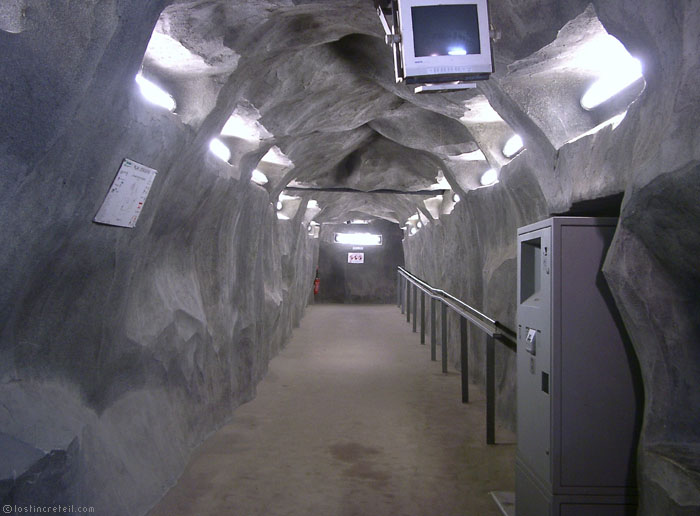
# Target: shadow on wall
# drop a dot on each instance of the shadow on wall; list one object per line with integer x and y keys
{"x": 373, "y": 280}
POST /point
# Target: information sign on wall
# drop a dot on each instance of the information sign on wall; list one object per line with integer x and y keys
{"x": 124, "y": 201}
{"x": 356, "y": 257}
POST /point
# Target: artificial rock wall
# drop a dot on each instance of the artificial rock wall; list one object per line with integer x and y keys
{"x": 653, "y": 158}
{"x": 122, "y": 349}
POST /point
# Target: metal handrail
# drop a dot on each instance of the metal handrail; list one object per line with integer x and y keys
{"x": 468, "y": 314}
{"x": 487, "y": 324}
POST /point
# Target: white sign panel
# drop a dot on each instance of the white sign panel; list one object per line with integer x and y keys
{"x": 356, "y": 257}
{"x": 125, "y": 198}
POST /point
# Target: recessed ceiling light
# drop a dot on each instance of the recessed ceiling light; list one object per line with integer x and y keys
{"x": 610, "y": 85}
{"x": 357, "y": 238}
{"x": 513, "y": 146}
{"x": 615, "y": 68}
{"x": 155, "y": 94}
{"x": 219, "y": 149}
{"x": 489, "y": 177}
{"x": 258, "y": 177}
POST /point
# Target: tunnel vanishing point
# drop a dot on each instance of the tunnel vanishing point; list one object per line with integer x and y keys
{"x": 122, "y": 348}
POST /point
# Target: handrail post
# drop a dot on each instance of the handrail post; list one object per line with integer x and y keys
{"x": 433, "y": 331}
{"x": 422, "y": 317}
{"x": 402, "y": 295}
{"x": 408, "y": 300}
{"x": 443, "y": 350}
{"x": 398, "y": 288}
{"x": 415, "y": 306}
{"x": 490, "y": 391}
{"x": 464, "y": 357}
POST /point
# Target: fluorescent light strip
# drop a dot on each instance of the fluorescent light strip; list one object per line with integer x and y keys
{"x": 513, "y": 146}
{"x": 258, "y": 177}
{"x": 155, "y": 94}
{"x": 357, "y": 239}
{"x": 489, "y": 177}
{"x": 219, "y": 149}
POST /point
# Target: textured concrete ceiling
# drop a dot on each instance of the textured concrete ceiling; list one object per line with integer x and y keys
{"x": 316, "y": 79}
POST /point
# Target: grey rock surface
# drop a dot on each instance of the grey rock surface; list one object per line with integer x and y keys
{"x": 122, "y": 349}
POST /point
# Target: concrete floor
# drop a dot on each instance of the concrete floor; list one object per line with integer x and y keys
{"x": 352, "y": 419}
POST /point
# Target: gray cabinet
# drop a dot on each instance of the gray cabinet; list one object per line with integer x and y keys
{"x": 579, "y": 392}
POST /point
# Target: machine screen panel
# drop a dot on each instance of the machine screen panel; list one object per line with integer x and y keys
{"x": 446, "y": 30}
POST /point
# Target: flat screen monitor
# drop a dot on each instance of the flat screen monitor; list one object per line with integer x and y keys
{"x": 444, "y": 40}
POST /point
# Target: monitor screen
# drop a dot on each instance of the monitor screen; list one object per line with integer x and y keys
{"x": 445, "y": 30}
{"x": 443, "y": 41}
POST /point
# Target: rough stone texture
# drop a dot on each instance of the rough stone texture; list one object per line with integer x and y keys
{"x": 481, "y": 231}
{"x": 652, "y": 265}
{"x": 121, "y": 349}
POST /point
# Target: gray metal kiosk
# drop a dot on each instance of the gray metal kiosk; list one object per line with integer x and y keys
{"x": 579, "y": 393}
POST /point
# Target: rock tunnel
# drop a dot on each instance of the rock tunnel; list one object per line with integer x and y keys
{"x": 122, "y": 349}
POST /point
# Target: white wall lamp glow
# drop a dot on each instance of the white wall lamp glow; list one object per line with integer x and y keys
{"x": 155, "y": 94}
{"x": 413, "y": 230}
{"x": 513, "y": 146}
{"x": 258, "y": 177}
{"x": 456, "y": 198}
{"x": 279, "y": 205}
{"x": 357, "y": 238}
{"x": 617, "y": 70}
{"x": 490, "y": 177}
{"x": 219, "y": 149}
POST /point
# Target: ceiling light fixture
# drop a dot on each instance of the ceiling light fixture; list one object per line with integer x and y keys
{"x": 616, "y": 69}
{"x": 219, "y": 149}
{"x": 489, "y": 177}
{"x": 155, "y": 94}
{"x": 357, "y": 238}
{"x": 258, "y": 177}
{"x": 513, "y": 146}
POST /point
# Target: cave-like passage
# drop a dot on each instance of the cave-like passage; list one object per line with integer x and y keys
{"x": 352, "y": 418}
